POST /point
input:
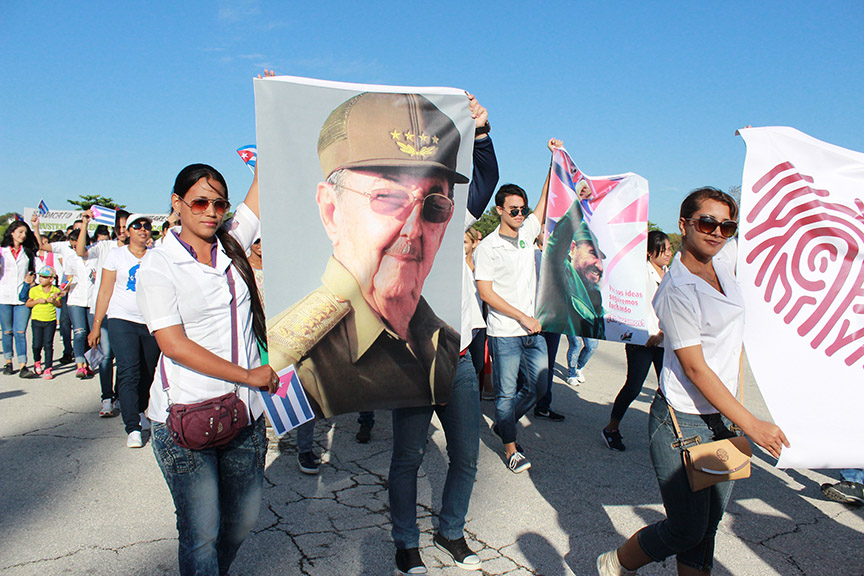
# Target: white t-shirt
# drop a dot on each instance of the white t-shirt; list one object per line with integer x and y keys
{"x": 472, "y": 313}
{"x": 652, "y": 280}
{"x": 512, "y": 273}
{"x": 691, "y": 313}
{"x": 96, "y": 255}
{"x": 124, "y": 304}
{"x": 76, "y": 269}
{"x": 176, "y": 289}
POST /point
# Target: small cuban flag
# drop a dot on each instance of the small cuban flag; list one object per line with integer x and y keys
{"x": 288, "y": 407}
{"x": 43, "y": 208}
{"x": 249, "y": 155}
{"x": 102, "y": 215}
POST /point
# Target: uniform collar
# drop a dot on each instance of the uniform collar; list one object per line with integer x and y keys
{"x": 182, "y": 252}
{"x": 363, "y": 324}
{"x": 682, "y": 277}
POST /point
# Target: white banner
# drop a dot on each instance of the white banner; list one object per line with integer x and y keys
{"x": 61, "y": 219}
{"x": 801, "y": 269}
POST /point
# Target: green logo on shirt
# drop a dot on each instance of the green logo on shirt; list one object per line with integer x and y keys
{"x": 521, "y": 243}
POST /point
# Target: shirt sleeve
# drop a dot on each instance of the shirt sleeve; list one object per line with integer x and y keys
{"x": 680, "y": 318}
{"x": 484, "y": 262}
{"x": 157, "y": 294}
{"x": 532, "y": 227}
{"x": 484, "y": 177}
{"x": 111, "y": 261}
{"x": 245, "y": 226}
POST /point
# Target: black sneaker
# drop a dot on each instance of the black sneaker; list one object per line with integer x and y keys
{"x": 409, "y": 561}
{"x": 7, "y": 369}
{"x": 66, "y": 359}
{"x": 458, "y": 550}
{"x": 548, "y": 415}
{"x": 613, "y": 440}
{"x": 307, "y": 462}
{"x": 518, "y": 462}
{"x": 851, "y": 493}
{"x": 364, "y": 434}
{"x": 25, "y": 372}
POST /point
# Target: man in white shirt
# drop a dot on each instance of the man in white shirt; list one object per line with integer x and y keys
{"x": 506, "y": 281}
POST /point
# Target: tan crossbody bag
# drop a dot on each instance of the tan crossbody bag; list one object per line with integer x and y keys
{"x": 713, "y": 462}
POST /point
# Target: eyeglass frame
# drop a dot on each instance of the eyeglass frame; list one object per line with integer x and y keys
{"x": 210, "y": 202}
{"x": 408, "y": 207}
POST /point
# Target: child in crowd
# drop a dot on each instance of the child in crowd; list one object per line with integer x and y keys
{"x": 44, "y": 299}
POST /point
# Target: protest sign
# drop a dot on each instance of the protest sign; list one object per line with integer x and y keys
{"x": 801, "y": 268}
{"x": 362, "y": 273}
{"x": 593, "y": 272}
{"x": 62, "y": 219}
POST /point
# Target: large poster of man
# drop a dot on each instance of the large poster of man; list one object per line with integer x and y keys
{"x": 362, "y": 269}
{"x": 592, "y": 275}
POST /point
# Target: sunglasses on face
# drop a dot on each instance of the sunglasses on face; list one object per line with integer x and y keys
{"x": 137, "y": 225}
{"x": 524, "y": 210}
{"x": 395, "y": 202}
{"x": 707, "y": 225}
{"x": 200, "y": 205}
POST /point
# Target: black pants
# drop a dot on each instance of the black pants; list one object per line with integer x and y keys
{"x": 136, "y": 353}
{"x": 639, "y": 360}
{"x": 43, "y": 338}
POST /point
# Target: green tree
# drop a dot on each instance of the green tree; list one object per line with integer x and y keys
{"x": 5, "y": 220}
{"x": 88, "y": 200}
{"x": 735, "y": 192}
{"x": 488, "y": 222}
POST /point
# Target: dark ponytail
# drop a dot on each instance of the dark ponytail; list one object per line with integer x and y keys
{"x": 184, "y": 181}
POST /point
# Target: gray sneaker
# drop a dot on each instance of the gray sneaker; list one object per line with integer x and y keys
{"x": 851, "y": 493}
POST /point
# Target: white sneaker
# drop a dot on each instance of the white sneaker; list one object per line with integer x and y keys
{"x": 116, "y": 405}
{"x": 107, "y": 410}
{"x": 145, "y": 422}
{"x": 134, "y": 440}
{"x": 608, "y": 565}
{"x": 579, "y": 376}
{"x": 572, "y": 381}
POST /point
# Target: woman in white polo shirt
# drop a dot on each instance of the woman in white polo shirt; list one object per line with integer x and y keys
{"x": 203, "y": 319}
{"x": 701, "y": 312}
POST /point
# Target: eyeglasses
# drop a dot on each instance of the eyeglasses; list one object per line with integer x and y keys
{"x": 524, "y": 210}
{"x": 138, "y": 224}
{"x": 707, "y": 224}
{"x": 200, "y": 205}
{"x": 395, "y": 202}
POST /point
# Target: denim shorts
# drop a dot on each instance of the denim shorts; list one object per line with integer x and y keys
{"x": 691, "y": 517}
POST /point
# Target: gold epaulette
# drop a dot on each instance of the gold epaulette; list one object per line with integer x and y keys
{"x": 299, "y": 328}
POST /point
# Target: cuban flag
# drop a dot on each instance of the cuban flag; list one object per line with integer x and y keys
{"x": 43, "y": 208}
{"x": 288, "y": 407}
{"x": 249, "y": 155}
{"x": 19, "y": 217}
{"x": 102, "y": 215}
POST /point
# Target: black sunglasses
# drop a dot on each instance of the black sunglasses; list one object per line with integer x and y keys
{"x": 524, "y": 210}
{"x": 138, "y": 224}
{"x": 707, "y": 225}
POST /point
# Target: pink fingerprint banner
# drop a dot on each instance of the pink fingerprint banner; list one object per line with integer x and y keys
{"x": 801, "y": 266}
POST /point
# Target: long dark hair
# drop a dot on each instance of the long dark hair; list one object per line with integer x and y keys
{"x": 185, "y": 180}
{"x": 656, "y": 242}
{"x": 30, "y": 244}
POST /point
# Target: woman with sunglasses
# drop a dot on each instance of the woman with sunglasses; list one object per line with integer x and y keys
{"x": 135, "y": 349}
{"x": 701, "y": 312}
{"x": 18, "y": 262}
{"x": 199, "y": 298}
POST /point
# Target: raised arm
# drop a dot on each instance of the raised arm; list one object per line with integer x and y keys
{"x": 540, "y": 209}
{"x": 81, "y": 245}
{"x": 251, "y": 199}
{"x": 484, "y": 176}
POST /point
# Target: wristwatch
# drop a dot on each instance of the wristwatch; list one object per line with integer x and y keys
{"x": 480, "y": 130}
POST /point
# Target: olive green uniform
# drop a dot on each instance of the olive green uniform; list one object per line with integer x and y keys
{"x": 348, "y": 360}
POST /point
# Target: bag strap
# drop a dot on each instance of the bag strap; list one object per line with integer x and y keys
{"x": 235, "y": 353}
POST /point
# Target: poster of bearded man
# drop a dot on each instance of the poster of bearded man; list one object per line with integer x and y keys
{"x": 360, "y": 185}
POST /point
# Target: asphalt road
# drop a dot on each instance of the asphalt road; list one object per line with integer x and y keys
{"x": 75, "y": 500}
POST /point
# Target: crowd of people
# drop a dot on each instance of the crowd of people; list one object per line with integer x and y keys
{"x": 182, "y": 319}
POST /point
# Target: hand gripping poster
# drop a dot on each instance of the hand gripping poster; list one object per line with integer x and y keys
{"x": 592, "y": 274}
{"x": 801, "y": 267}
{"x": 360, "y": 186}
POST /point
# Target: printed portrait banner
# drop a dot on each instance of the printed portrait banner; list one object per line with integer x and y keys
{"x": 801, "y": 269}
{"x": 363, "y": 196}
{"x": 593, "y": 276}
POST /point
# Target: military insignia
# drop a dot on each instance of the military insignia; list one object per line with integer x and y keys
{"x": 415, "y": 145}
{"x": 308, "y": 321}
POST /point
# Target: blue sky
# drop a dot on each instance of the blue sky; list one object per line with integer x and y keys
{"x": 114, "y": 98}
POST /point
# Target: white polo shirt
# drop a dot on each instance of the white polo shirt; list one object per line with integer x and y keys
{"x": 175, "y": 289}
{"x": 692, "y": 312}
{"x": 511, "y": 270}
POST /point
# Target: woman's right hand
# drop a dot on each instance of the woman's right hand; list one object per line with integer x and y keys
{"x": 263, "y": 377}
{"x": 767, "y": 435}
{"x": 94, "y": 336}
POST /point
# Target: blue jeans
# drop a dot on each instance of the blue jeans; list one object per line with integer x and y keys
{"x": 460, "y": 419}
{"x": 217, "y": 495}
{"x": 14, "y": 319}
{"x": 106, "y": 368}
{"x": 691, "y": 517}
{"x": 305, "y": 436}
{"x": 43, "y": 339}
{"x": 78, "y": 318}
{"x": 65, "y": 328}
{"x": 579, "y": 352}
{"x": 137, "y": 354}
{"x": 853, "y": 475}
{"x": 512, "y": 402}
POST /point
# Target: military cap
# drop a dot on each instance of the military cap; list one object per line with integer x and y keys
{"x": 375, "y": 130}
{"x": 584, "y": 234}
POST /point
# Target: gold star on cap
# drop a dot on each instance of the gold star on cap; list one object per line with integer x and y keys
{"x": 395, "y": 134}
{"x": 409, "y": 136}
{"x": 424, "y": 138}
